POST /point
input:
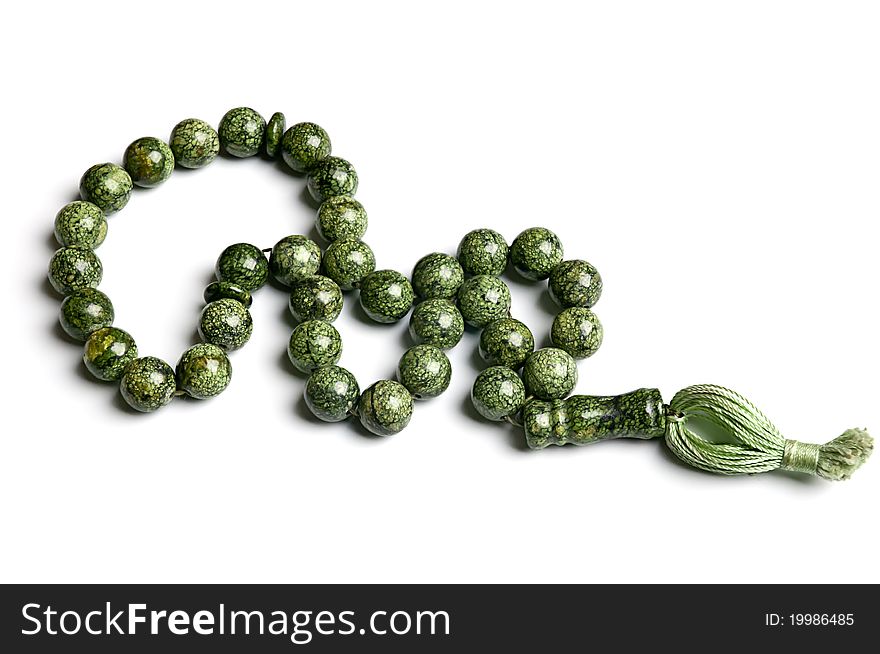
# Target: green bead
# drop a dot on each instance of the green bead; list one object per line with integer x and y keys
{"x": 386, "y": 296}
{"x": 107, "y": 186}
{"x": 226, "y": 323}
{"x": 425, "y": 371}
{"x": 85, "y": 311}
{"x": 578, "y": 331}
{"x": 498, "y": 392}
{"x": 331, "y": 393}
{"x": 293, "y": 259}
{"x": 304, "y": 145}
{"x": 244, "y": 265}
{"x": 148, "y": 384}
{"x": 385, "y": 408}
{"x": 575, "y": 284}
{"x": 483, "y": 299}
{"x": 315, "y": 298}
{"x": 72, "y": 269}
{"x": 436, "y": 322}
{"x": 348, "y": 262}
{"x": 332, "y": 177}
{"x": 506, "y": 342}
{"x": 242, "y": 131}
{"x": 203, "y": 371}
{"x": 314, "y": 343}
{"x": 535, "y": 253}
{"x": 108, "y": 351}
{"x": 437, "y": 275}
{"x": 483, "y": 252}
{"x": 148, "y": 161}
{"x": 80, "y": 224}
{"x": 219, "y": 290}
{"x": 550, "y": 374}
{"x": 194, "y": 143}
{"x": 274, "y": 132}
{"x": 341, "y": 217}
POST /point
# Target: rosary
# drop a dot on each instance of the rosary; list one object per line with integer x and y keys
{"x": 527, "y": 387}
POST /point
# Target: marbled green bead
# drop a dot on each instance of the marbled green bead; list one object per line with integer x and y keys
{"x": 385, "y": 408}
{"x": 437, "y": 275}
{"x": 436, "y": 322}
{"x": 244, "y": 265}
{"x": 85, "y": 311}
{"x": 315, "y": 298}
{"x": 535, "y": 253}
{"x": 577, "y": 330}
{"x": 219, "y": 290}
{"x": 108, "y": 351}
{"x": 575, "y": 283}
{"x": 148, "y": 161}
{"x": 348, "y": 262}
{"x": 386, "y": 296}
{"x": 194, "y": 143}
{"x": 483, "y": 252}
{"x": 107, "y": 186}
{"x": 425, "y": 371}
{"x": 332, "y": 177}
{"x": 506, "y": 342}
{"x": 71, "y": 269}
{"x": 331, "y": 393}
{"x": 242, "y": 131}
{"x": 293, "y": 259}
{"x": 550, "y": 374}
{"x": 498, "y": 392}
{"x": 80, "y": 224}
{"x": 483, "y": 299}
{"x": 341, "y": 217}
{"x": 148, "y": 384}
{"x": 203, "y": 371}
{"x": 314, "y": 343}
{"x": 304, "y": 145}
{"x": 274, "y": 132}
{"x": 226, "y": 323}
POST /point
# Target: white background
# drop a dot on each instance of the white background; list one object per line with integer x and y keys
{"x": 718, "y": 162}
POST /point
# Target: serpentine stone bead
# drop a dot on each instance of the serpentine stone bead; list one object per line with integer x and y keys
{"x": 148, "y": 161}
{"x": 293, "y": 259}
{"x": 483, "y": 252}
{"x": 304, "y": 145}
{"x": 483, "y": 299}
{"x": 436, "y": 322}
{"x": 575, "y": 283}
{"x": 107, "y": 186}
{"x": 332, "y": 177}
{"x": 498, "y": 392}
{"x": 437, "y": 275}
{"x": 148, "y": 384}
{"x": 80, "y": 224}
{"x": 315, "y": 298}
{"x": 506, "y": 342}
{"x": 242, "y": 131}
{"x": 386, "y": 296}
{"x": 341, "y": 217}
{"x": 226, "y": 323}
{"x": 244, "y": 265}
{"x": 85, "y": 311}
{"x": 331, "y": 393}
{"x": 108, "y": 352}
{"x": 274, "y": 132}
{"x": 74, "y": 268}
{"x": 385, "y": 408}
{"x": 425, "y": 371}
{"x": 577, "y": 330}
{"x": 313, "y": 344}
{"x": 203, "y": 371}
{"x": 219, "y": 290}
{"x": 535, "y": 253}
{"x": 550, "y": 374}
{"x": 348, "y": 262}
{"x": 194, "y": 143}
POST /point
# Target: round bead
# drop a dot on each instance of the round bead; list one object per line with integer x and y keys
{"x": 314, "y": 343}
{"x": 219, "y": 290}
{"x": 148, "y": 161}
{"x": 80, "y": 224}
{"x": 108, "y": 351}
{"x": 575, "y": 284}
{"x": 498, "y": 392}
{"x": 107, "y": 186}
{"x": 437, "y": 275}
{"x": 341, "y": 217}
{"x": 483, "y": 299}
{"x": 274, "y": 132}
{"x": 244, "y": 265}
{"x": 194, "y": 143}
{"x": 348, "y": 262}
{"x": 506, "y": 342}
{"x": 436, "y": 322}
{"x": 425, "y": 371}
{"x": 332, "y": 177}
{"x": 385, "y": 408}
{"x": 535, "y": 253}
{"x": 203, "y": 371}
{"x": 331, "y": 393}
{"x": 315, "y": 298}
{"x": 577, "y": 330}
{"x": 550, "y": 374}
{"x": 483, "y": 252}
{"x": 293, "y": 259}
{"x": 85, "y": 311}
{"x": 148, "y": 384}
{"x": 71, "y": 269}
{"x": 386, "y": 296}
{"x": 226, "y": 323}
{"x": 242, "y": 131}
{"x": 304, "y": 145}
